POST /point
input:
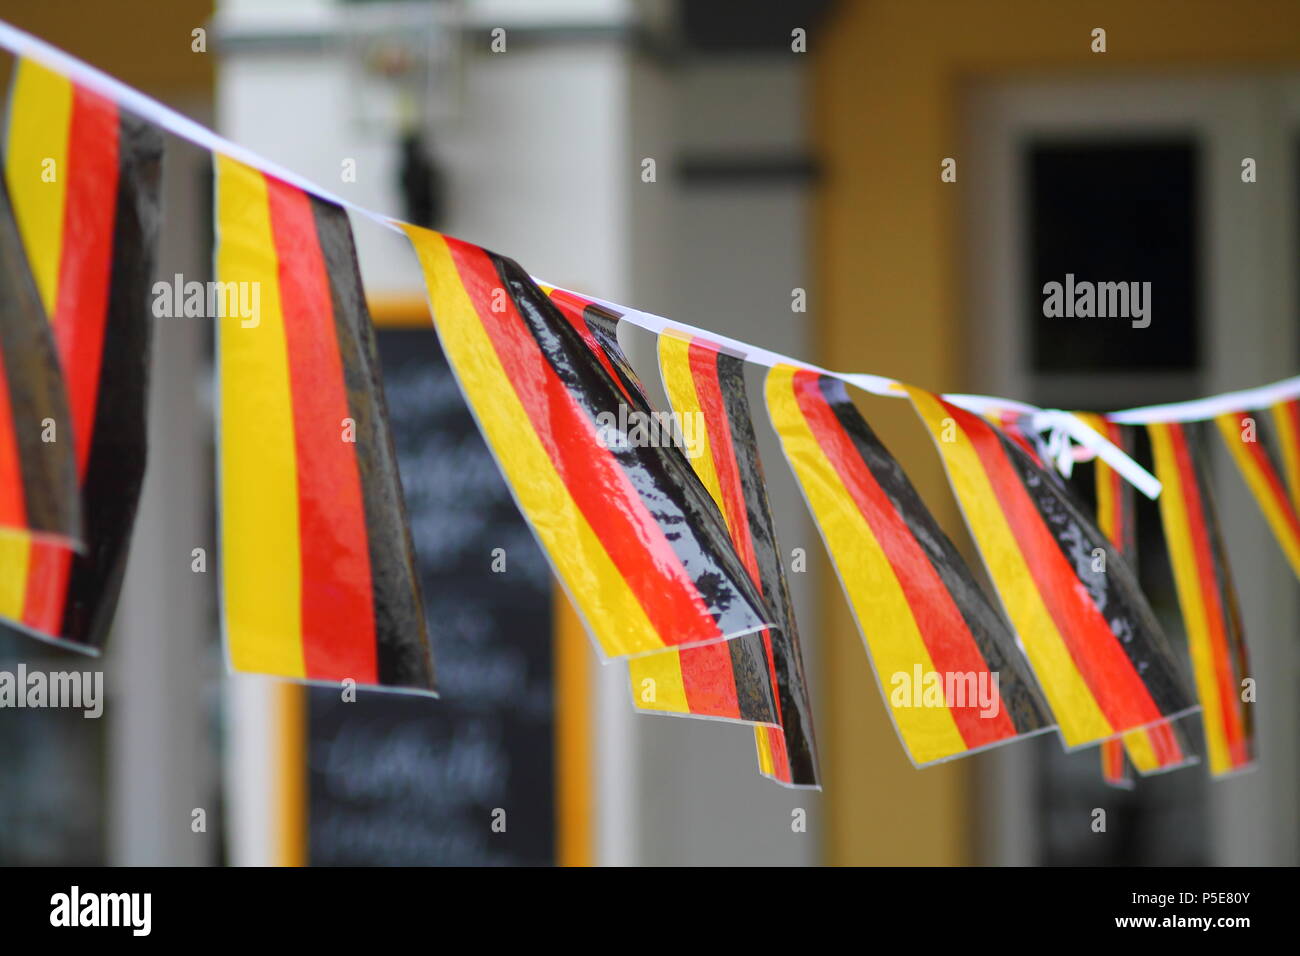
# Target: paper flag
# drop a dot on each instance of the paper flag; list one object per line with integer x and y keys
{"x": 1207, "y": 597}
{"x": 1163, "y": 746}
{"x": 318, "y": 571}
{"x": 728, "y": 681}
{"x": 706, "y": 384}
{"x": 947, "y": 664}
{"x": 630, "y": 533}
{"x": 91, "y": 232}
{"x": 1093, "y": 642}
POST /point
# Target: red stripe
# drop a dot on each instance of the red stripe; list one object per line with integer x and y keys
{"x": 1105, "y": 668}
{"x": 703, "y": 358}
{"x": 1196, "y": 523}
{"x": 1010, "y": 424}
{"x": 87, "y": 257}
{"x": 80, "y": 314}
{"x": 709, "y": 681}
{"x": 1291, "y": 412}
{"x": 572, "y": 308}
{"x": 1165, "y": 744}
{"x": 1118, "y": 522}
{"x": 338, "y": 622}
{"x": 602, "y": 491}
{"x": 13, "y": 507}
{"x": 943, "y": 629}
{"x": 1265, "y": 464}
{"x": 780, "y": 755}
{"x": 703, "y": 361}
{"x": 1112, "y": 752}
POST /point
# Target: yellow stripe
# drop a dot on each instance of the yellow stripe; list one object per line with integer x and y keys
{"x": 675, "y": 366}
{"x": 1230, "y": 429}
{"x": 1290, "y": 443}
{"x": 40, "y": 115}
{"x": 668, "y": 689}
{"x": 261, "y": 557}
{"x": 1182, "y": 556}
{"x": 1141, "y": 752}
{"x": 39, "y": 121}
{"x": 883, "y": 614}
{"x": 1077, "y": 714}
{"x": 15, "y": 550}
{"x": 1102, "y": 473}
{"x": 665, "y": 669}
{"x": 608, "y": 606}
{"x": 766, "y": 759}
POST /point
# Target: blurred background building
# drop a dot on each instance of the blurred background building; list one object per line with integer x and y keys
{"x": 795, "y": 146}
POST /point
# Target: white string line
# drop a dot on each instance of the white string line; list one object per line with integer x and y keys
{"x": 23, "y": 44}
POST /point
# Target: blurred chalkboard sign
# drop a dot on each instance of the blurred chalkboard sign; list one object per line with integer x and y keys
{"x": 412, "y": 781}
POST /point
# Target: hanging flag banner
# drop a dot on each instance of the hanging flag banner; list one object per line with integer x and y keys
{"x": 946, "y": 662}
{"x": 84, "y": 179}
{"x": 725, "y": 680}
{"x": 1207, "y": 597}
{"x": 1240, "y": 432}
{"x": 629, "y": 531}
{"x": 706, "y": 384}
{"x": 318, "y": 571}
{"x": 1164, "y": 746}
{"x": 38, "y": 479}
{"x": 1092, "y": 640}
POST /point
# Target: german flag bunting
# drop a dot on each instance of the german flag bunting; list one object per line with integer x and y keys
{"x": 727, "y": 681}
{"x": 1164, "y": 746}
{"x": 707, "y": 384}
{"x": 1207, "y": 597}
{"x": 1241, "y": 434}
{"x": 947, "y": 664}
{"x": 84, "y": 178}
{"x": 640, "y": 548}
{"x": 1094, "y": 643}
{"x": 318, "y": 571}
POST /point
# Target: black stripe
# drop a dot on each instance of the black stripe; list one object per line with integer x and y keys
{"x": 402, "y": 642}
{"x": 792, "y": 685}
{"x": 36, "y": 390}
{"x": 116, "y": 463}
{"x": 1115, "y": 591}
{"x": 992, "y": 634}
{"x": 603, "y": 326}
{"x": 662, "y": 476}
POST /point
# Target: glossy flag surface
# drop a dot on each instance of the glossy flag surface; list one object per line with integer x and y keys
{"x": 1093, "y": 642}
{"x": 937, "y": 644}
{"x": 318, "y": 571}
{"x": 84, "y": 179}
{"x": 641, "y": 550}
{"x": 1206, "y": 596}
{"x": 707, "y": 384}
{"x": 1163, "y": 746}
{"x": 1240, "y": 431}
{"x": 727, "y": 681}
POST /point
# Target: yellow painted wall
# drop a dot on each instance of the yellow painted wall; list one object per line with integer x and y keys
{"x": 888, "y": 80}
{"x": 145, "y": 43}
